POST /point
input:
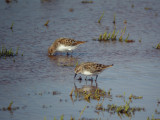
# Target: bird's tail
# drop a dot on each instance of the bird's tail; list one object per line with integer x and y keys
{"x": 80, "y": 42}
{"x": 107, "y": 66}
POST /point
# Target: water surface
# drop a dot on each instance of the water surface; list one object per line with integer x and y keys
{"x": 31, "y": 81}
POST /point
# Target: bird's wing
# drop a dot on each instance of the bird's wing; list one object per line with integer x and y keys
{"x": 89, "y": 66}
{"x": 67, "y": 41}
{"x": 70, "y": 42}
{"x": 95, "y": 67}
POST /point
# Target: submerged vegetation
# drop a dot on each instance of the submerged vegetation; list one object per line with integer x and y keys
{"x": 4, "y": 52}
{"x": 90, "y": 92}
{"x": 114, "y": 20}
{"x": 46, "y": 24}
{"x": 87, "y": 1}
{"x": 135, "y": 97}
{"x": 148, "y": 8}
{"x": 153, "y": 118}
{"x": 11, "y": 108}
{"x": 113, "y": 36}
{"x": 120, "y": 109}
{"x": 125, "y": 109}
{"x": 82, "y": 112}
{"x": 156, "y": 112}
{"x": 45, "y": 92}
{"x": 99, "y": 21}
{"x": 12, "y": 26}
{"x": 158, "y": 46}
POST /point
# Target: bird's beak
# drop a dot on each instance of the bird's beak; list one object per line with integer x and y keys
{"x": 75, "y": 75}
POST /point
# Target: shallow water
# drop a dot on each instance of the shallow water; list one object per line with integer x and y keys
{"x": 31, "y": 81}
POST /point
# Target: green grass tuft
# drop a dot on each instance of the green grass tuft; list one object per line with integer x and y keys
{"x": 82, "y": 111}
{"x": 86, "y": 1}
{"x": 46, "y": 24}
{"x": 158, "y": 46}
{"x": 114, "y": 20}
{"x": 12, "y": 26}
{"x": 4, "y": 52}
{"x": 99, "y": 21}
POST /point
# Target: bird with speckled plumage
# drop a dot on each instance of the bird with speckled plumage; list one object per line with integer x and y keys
{"x": 64, "y": 44}
{"x": 90, "y": 69}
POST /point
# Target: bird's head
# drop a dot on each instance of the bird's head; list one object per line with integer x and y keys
{"x": 51, "y": 50}
{"x": 77, "y": 70}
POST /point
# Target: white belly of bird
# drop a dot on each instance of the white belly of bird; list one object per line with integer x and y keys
{"x": 65, "y": 48}
{"x": 87, "y": 73}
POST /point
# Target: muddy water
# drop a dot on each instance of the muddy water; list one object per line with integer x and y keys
{"x": 40, "y": 84}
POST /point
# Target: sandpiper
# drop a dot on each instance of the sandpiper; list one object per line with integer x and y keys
{"x": 90, "y": 69}
{"x": 64, "y": 44}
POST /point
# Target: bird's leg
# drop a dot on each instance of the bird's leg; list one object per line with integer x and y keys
{"x": 67, "y": 54}
{"x": 75, "y": 86}
{"x": 96, "y": 84}
{"x": 86, "y": 80}
{"x": 75, "y": 75}
{"x": 96, "y": 77}
{"x": 71, "y": 53}
{"x": 91, "y": 82}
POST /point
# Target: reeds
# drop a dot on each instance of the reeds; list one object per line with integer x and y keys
{"x": 82, "y": 112}
{"x": 122, "y": 33}
{"x": 113, "y": 36}
{"x": 158, "y": 46}
{"x": 10, "y": 105}
{"x": 114, "y": 19}
{"x": 46, "y": 24}
{"x": 108, "y": 36}
{"x": 99, "y": 21}
{"x": 12, "y": 26}
{"x": 86, "y": 1}
{"x": 4, "y": 52}
{"x": 120, "y": 109}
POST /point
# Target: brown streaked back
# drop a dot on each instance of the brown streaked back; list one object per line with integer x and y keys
{"x": 79, "y": 42}
{"x": 93, "y": 67}
{"x": 69, "y": 41}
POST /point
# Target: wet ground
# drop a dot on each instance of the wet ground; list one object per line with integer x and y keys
{"x": 39, "y": 85}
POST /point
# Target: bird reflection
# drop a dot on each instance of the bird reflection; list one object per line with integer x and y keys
{"x": 61, "y": 60}
{"x": 87, "y": 88}
{"x": 87, "y": 92}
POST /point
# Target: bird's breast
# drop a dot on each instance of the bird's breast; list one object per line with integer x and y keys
{"x": 64, "y": 48}
{"x": 85, "y": 72}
